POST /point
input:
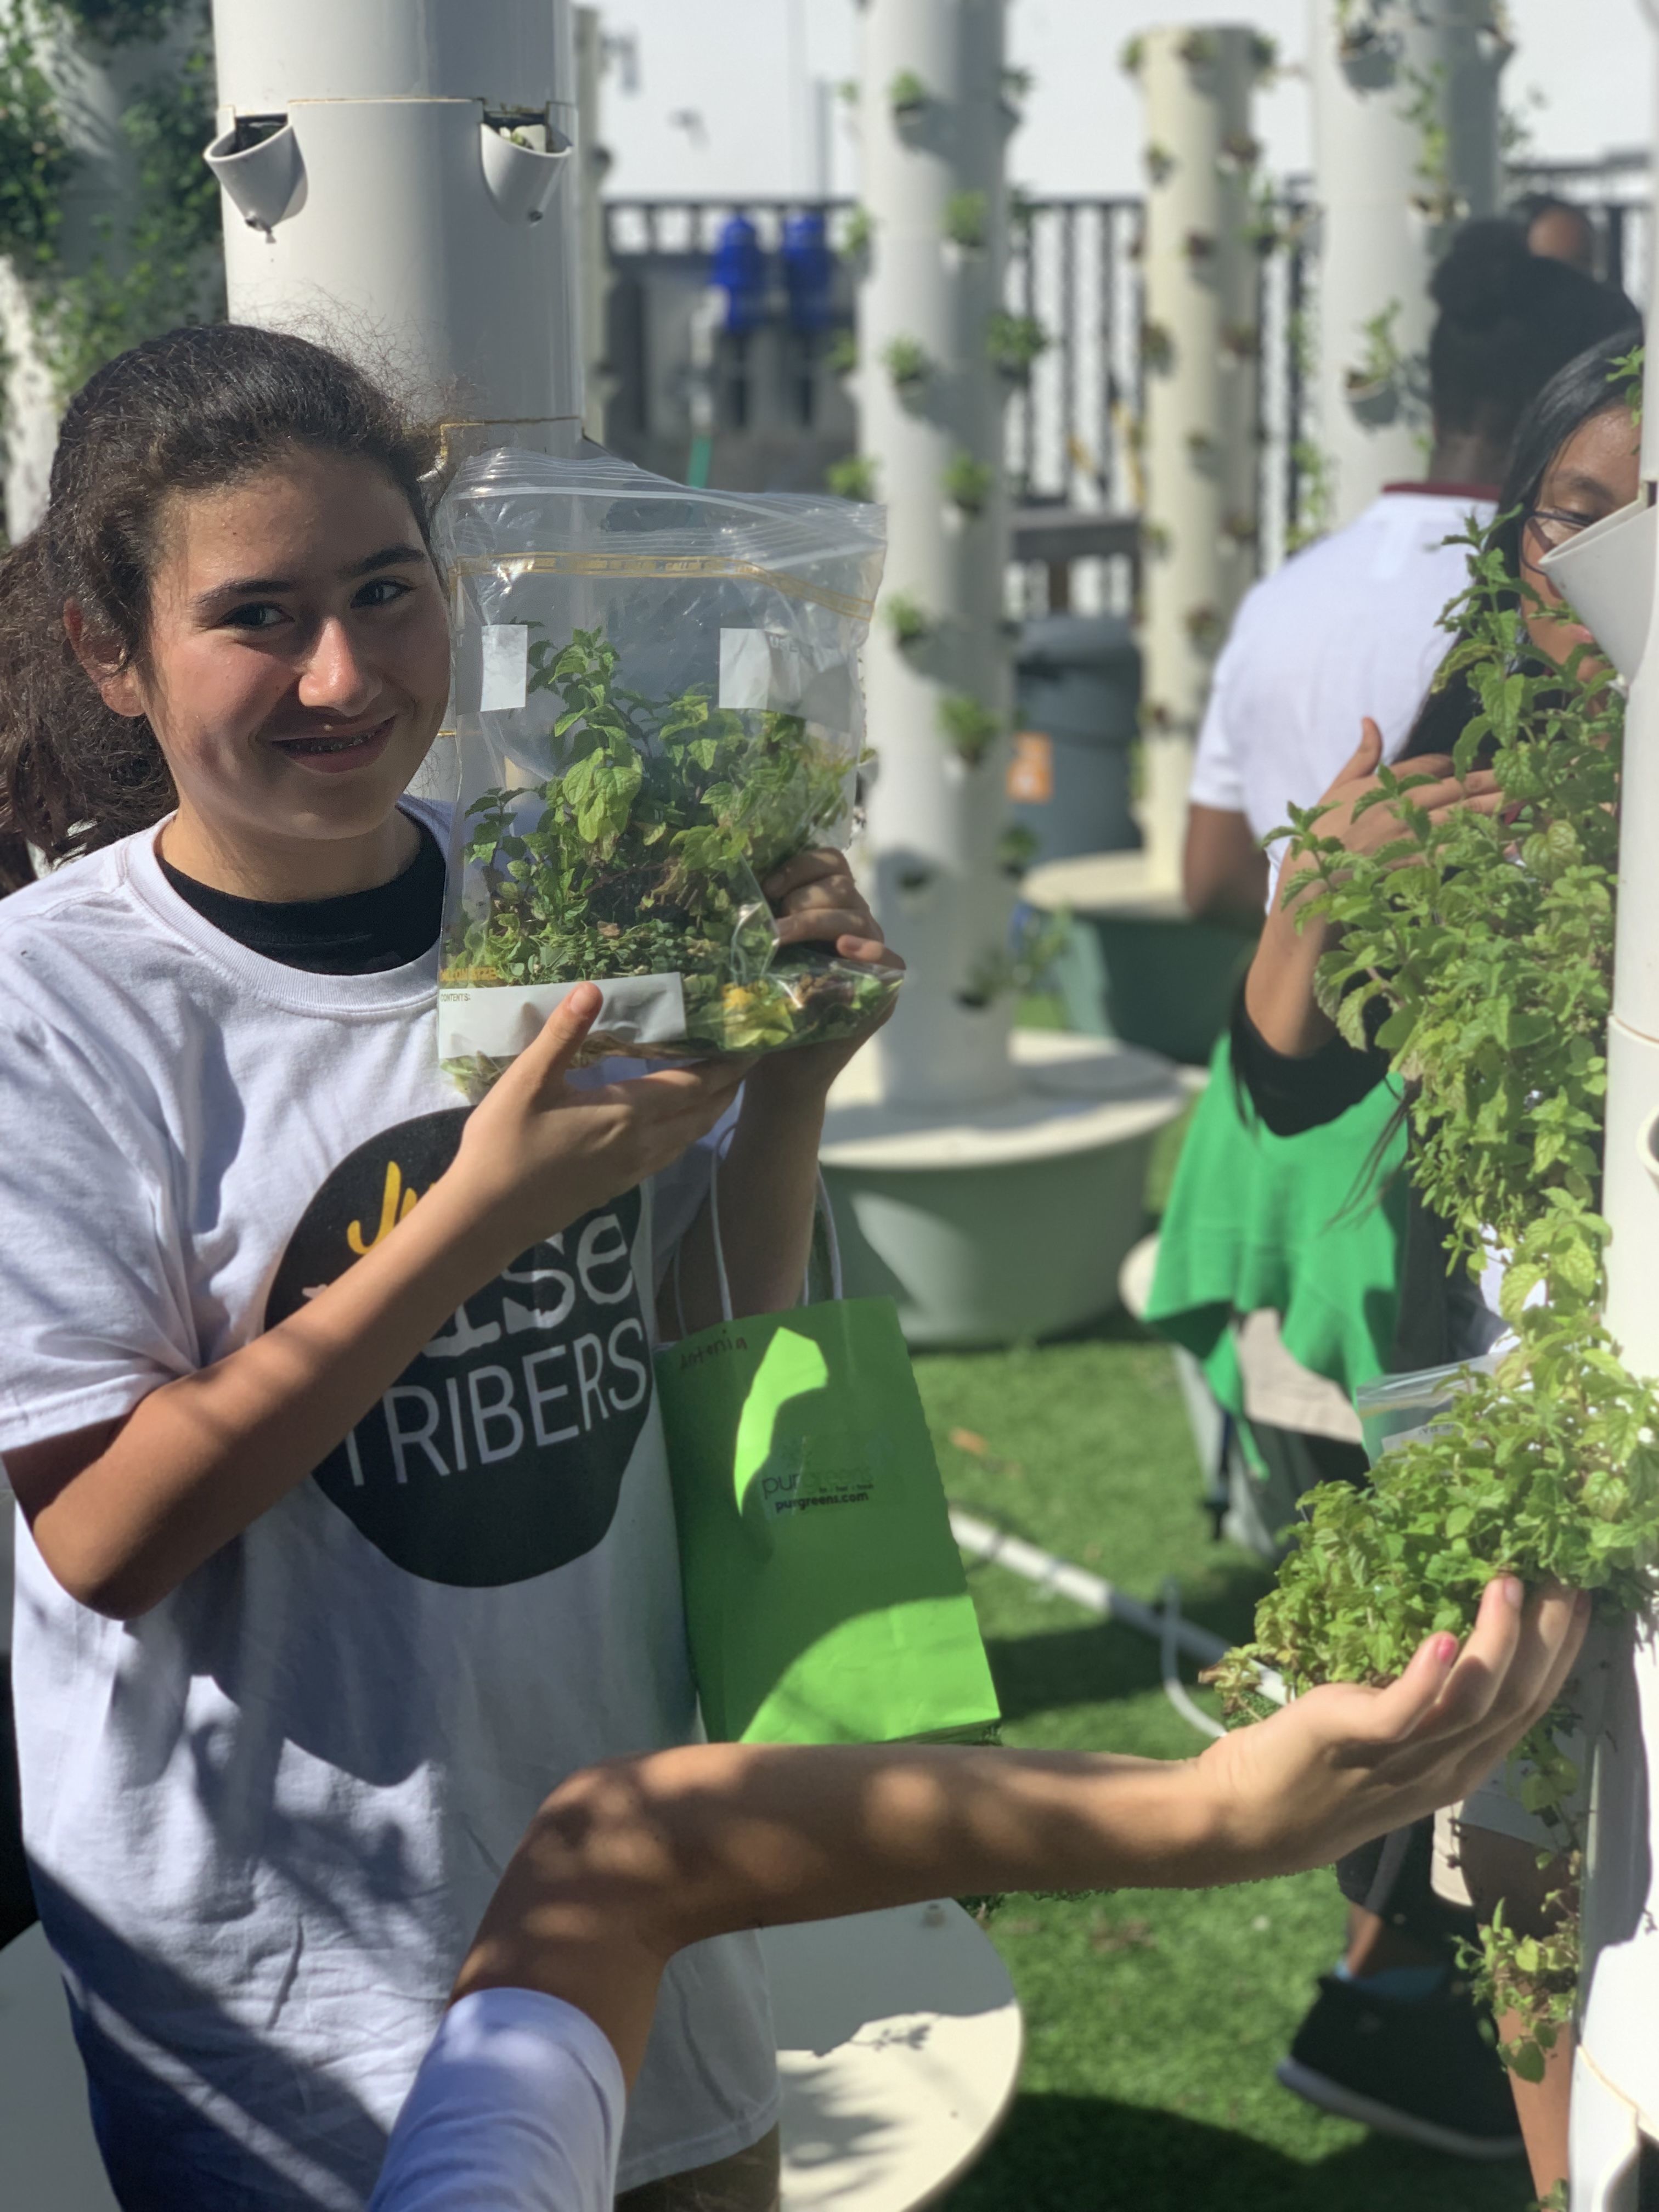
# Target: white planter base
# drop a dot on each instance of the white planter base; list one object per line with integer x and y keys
{"x": 1006, "y": 1221}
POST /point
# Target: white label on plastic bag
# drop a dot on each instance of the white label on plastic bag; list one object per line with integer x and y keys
{"x": 505, "y": 667}
{"x": 500, "y": 1020}
{"x": 768, "y": 671}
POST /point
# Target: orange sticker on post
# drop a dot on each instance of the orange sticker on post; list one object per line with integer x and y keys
{"x": 1031, "y": 771}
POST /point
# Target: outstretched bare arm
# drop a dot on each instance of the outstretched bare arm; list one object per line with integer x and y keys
{"x": 627, "y": 1864}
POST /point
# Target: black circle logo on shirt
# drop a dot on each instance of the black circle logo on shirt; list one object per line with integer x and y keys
{"x": 499, "y": 1452}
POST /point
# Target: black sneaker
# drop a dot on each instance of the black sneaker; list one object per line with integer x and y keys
{"x": 1422, "y": 2069}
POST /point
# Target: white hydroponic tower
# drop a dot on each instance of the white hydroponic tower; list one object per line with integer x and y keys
{"x": 1198, "y": 348}
{"x": 931, "y": 123}
{"x": 989, "y": 1181}
{"x": 396, "y": 184}
{"x": 1405, "y": 146}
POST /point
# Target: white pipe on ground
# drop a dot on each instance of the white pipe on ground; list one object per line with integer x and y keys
{"x": 1199, "y": 352}
{"x": 396, "y": 184}
{"x": 931, "y": 123}
{"x": 1405, "y": 144}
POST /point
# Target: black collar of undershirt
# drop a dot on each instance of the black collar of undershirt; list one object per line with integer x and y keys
{"x": 361, "y": 933}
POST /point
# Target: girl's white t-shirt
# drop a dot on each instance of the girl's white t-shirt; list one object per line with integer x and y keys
{"x": 517, "y": 2108}
{"x": 265, "y": 1817}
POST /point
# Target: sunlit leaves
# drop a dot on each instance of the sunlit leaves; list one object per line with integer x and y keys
{"x": 1476, "y": 950}
{"x": 642, "y": 855}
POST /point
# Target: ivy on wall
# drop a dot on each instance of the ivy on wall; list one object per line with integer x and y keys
{"x": 166, "y": 269}
{"x": 35, "y": 161}
{"x": 153, "y": 266}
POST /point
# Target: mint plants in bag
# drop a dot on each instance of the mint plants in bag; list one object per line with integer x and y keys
{"x": 657, "y": 704}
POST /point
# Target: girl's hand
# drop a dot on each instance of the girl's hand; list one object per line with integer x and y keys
{"x": 1346, "y": 1763}
{"x": 1443, "y": 793}
{"x": 1279, "y": 993}
{"x": 538, "y": 1151}
{"x": 815, "y": 901}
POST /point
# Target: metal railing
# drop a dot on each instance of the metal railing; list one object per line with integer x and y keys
{"x": 1072, "y": 428}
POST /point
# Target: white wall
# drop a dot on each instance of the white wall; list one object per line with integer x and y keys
{"x": 743, "y": 66}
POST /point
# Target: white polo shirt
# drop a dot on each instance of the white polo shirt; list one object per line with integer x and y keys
{"x": 1348, "y": 627}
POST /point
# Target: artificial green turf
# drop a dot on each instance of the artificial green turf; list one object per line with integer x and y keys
{"x": 1153, "y": 2020}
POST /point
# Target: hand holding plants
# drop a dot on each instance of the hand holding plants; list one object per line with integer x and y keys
{"x": 643, "y": 855}
{"x": 1345, "y": 1762}
{"x": 1368, "y": 810}
{"x": 539, "y": 1152}
{"x": 815, "y": 901}
{"x": 1368, "y": 813}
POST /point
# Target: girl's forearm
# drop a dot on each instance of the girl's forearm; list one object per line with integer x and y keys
{"x": 200, "y": 1458}
{"x": 625, "y": 1864}
{"x": 768, "y": 1195}
{"x": 1278, "y": 990}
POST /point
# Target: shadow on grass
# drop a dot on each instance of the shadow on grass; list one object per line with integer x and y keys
{"x": 1061, "y": 2154}
{"x": 1098, "y": 1662}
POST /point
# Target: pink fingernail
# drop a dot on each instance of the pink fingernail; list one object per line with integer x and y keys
{"x": 1445, "y": 1650}
{"x": 1513, "y": 1593}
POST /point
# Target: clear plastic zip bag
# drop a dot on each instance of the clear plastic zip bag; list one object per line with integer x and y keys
{"x": 656, "y": 701}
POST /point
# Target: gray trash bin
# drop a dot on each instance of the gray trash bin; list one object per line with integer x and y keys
{"x": 1077, "y": 703}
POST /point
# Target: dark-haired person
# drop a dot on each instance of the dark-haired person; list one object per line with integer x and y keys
{"x": 1349, "y": 627}
{"x": 1576, "y": 460}
{"x": 517, "y": 2105}
{"x": 328, "y": 1403}
{"x": 1559, "y": 231}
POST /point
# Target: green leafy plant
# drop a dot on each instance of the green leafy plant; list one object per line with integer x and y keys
{"x": 1426, "y": 109}
{"x": 1380, "y": 361}
{"x": 906, "y": 619}
{"x": 970, "y": 728}
{"x": 1020, "y": 966}
{"x": 641, "y": 856}
{"x": 1017, "y": 850}
{"x": 842, "y": 355}
{"x": 1478, "y": 949}
{"x": 156, "y": 263}
{"x": 164, "y": 267}
{"x": 858, "y": 231}
{"x": 969, "y": 482}
{"x": 1199, "y": 48}
{"x": 1160, "y": 163}
{"x": 967, "y": 219}
{"x": 1627, "y": 375}
{"x": 906, "y": 94}
{"x": 907, "y": 362}
{"x": 1014, "y": 343}
{"x": 35, "y": 161}
{"x": 1156, "y": 349}
{"x": 852, "y": 477}
{"x": 1132, "y": 55}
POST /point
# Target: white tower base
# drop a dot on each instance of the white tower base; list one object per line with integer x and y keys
{"x": 994, "y": 1223}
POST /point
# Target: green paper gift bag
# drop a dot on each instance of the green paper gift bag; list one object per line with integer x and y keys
{"x": 825, "y": 1594}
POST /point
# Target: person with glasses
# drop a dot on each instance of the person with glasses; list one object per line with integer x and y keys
{"x": 1350, "y": 626}
{"x": 1576, "y": 460}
